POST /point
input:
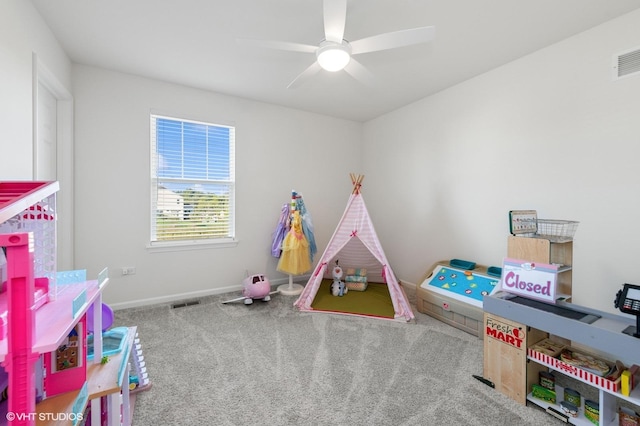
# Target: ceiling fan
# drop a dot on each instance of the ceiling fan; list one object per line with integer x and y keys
{"x": 335, "y": 53}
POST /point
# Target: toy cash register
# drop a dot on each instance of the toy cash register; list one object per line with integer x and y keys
{"x": 628, "y": 301}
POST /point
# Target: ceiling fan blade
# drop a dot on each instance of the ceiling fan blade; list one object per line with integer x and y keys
{"x": 392, "y": 40}
{"x": 335, "y": 18}
{"x": 359, "y": 72}
{"x": 278, "y": 45}
{"x": 313, "y": 68}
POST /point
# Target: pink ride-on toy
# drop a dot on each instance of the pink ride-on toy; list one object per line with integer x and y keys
{"x": 254, "y": 287}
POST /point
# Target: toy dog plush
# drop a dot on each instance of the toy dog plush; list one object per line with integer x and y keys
{"x": 338, "y": 287}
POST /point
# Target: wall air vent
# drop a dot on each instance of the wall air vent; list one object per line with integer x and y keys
{"x": 626, "y": 64}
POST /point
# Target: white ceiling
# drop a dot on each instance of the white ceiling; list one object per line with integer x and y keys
{"x": 194, "y": 43}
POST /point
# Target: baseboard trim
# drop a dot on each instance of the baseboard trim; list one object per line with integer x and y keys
{"x": 408, "y": 285}
{"x": 162, "y": 300}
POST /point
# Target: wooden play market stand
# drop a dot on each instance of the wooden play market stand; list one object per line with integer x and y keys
{"x": 512, "y": 328}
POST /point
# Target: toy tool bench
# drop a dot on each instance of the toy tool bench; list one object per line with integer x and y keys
{"x": 453, "y": 290}
{"x": 45, "y": 374}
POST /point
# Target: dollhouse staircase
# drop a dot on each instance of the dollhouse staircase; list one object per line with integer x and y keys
{"x": 140, "y": 380}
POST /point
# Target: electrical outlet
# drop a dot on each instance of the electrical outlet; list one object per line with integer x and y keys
{"x": 128, "y": 270}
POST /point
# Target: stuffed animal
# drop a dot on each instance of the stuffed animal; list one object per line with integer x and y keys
{"x": 338, "y": 287}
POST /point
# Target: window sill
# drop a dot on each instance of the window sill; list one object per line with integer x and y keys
{"x": 190, "y": 245}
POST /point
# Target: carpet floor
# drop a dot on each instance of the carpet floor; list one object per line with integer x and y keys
{"x": 269, "y": 364}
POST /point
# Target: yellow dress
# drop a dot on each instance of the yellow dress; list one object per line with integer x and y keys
{"x": 295, "y": 249}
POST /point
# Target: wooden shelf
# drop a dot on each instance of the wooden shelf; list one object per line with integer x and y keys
{"x": 545, "y": 251}
{"x": 579, "y": 420}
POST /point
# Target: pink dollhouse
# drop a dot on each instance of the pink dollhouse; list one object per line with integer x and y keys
{"x": 43, "y": 329}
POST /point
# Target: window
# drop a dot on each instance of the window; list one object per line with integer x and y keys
{"x": 192, "y": 182}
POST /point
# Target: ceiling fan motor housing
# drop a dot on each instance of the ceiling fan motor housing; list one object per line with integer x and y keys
{"x": 333, "y": 56}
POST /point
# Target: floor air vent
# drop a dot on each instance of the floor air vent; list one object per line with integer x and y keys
{"x": 626, "y": 63}
{"x": 185, "y": 304}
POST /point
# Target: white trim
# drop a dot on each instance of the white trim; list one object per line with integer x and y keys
{"x": 166, "y": 201}
{"x": 195, "y": 118}
{"x": 167, "y": 246}
{"x": 192, "y": 295}
{"x": 65, "y": 198}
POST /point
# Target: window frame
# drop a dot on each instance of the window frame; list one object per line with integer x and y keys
{"x": 155, "y": 181}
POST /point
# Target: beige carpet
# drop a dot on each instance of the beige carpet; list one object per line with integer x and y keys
{"x": 268, "y": 364}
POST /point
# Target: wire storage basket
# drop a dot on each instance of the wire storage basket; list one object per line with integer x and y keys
{"x": 562, "y": 230}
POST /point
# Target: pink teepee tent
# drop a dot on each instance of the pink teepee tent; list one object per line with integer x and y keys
{"x": 355, "y": 244}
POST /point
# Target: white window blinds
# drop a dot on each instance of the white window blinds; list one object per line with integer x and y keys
{"x": 192, "y": 181}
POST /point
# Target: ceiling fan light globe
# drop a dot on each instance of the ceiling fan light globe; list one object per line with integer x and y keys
{"x": 333, "y": 57}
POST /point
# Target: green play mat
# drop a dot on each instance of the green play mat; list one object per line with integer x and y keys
{"x": 374, "y": 301}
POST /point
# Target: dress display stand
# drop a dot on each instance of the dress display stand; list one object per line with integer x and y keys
{"x": 294, "y": 243}
{"x": 291, "y": 289}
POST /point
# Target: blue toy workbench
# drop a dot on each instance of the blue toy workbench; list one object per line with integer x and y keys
{"x": 452, "y": 291}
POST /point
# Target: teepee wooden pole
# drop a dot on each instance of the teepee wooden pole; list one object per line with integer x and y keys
{"x": 356, "y": 180}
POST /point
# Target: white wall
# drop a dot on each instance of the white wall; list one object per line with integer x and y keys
{"x": 23, "y": 33}
{"x": 277, "y": 150}
{"x": 550, "y": 132}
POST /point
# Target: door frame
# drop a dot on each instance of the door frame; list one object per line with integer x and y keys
{"x": 64, "y": 158}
